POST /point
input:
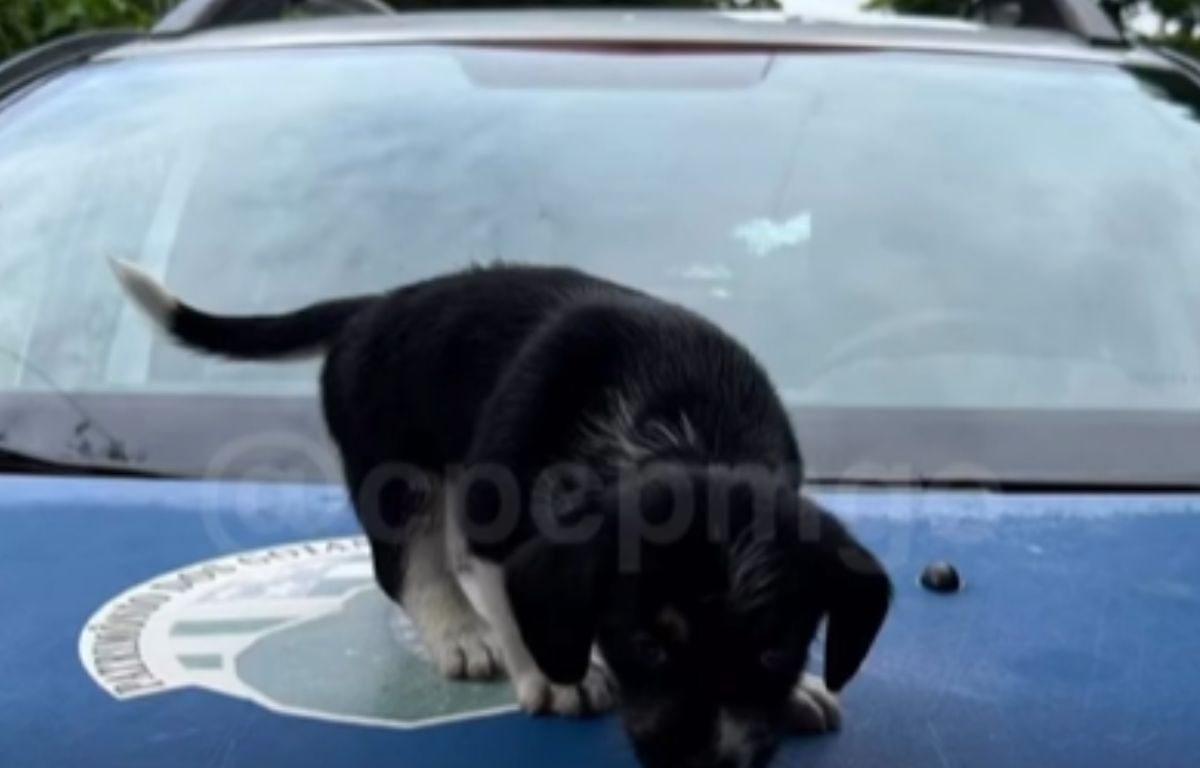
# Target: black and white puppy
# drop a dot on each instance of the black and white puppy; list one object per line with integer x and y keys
{"x": 558, "y": 474}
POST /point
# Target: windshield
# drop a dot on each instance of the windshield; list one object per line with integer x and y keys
{"x": 882, "y": 229}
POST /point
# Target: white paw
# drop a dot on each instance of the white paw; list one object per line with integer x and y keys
{"x": 813, "y": 708}
{"x": 594, "y": 696}
{"x": 469, "y": 653}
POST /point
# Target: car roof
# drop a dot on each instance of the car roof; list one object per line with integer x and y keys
{"x": 659, "y": 31}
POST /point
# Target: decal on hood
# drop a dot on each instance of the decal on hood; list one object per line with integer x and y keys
{"x": 299, "y": 629}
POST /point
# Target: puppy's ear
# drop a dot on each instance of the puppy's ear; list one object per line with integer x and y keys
{"x": 857, "y": 595}
{"x": 555, "y": 590}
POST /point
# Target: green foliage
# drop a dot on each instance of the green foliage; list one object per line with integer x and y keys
{"x": 1186, "y": 17}
{"x": 1188, "y": 45}
{"x": 26, "y": 23}
{"x": 1182, "y": 15}
{"x": 1171, "y": 9}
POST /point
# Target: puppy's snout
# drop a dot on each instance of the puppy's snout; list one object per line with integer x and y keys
{"x": 743, "y": 742}
{"x": 723, "y": 740}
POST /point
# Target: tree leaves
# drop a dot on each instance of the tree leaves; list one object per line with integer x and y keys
{"x": 1182, "y": 16}
{"x": 26, "y": 23}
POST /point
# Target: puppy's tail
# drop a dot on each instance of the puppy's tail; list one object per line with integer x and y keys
{"x": 306, "y": 332}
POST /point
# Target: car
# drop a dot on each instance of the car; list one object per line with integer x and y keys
{"x": 968, "y": 256}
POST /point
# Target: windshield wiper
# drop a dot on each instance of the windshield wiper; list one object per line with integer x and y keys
{"x": 21, "y": 463}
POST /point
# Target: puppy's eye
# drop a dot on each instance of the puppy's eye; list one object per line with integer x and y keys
{"x": 775, "y": 660}
{"x": 649, "y": 650}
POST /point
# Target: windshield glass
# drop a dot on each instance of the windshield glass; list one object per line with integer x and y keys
{"x": 882, "y": 229}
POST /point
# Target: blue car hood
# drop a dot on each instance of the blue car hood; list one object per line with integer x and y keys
{"x": 208, "y": 624}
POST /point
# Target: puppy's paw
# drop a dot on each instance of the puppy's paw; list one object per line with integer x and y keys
{"x": 813, "y": 709}
{"x": 596, "y": 695}
{"x": 470, "y": 652}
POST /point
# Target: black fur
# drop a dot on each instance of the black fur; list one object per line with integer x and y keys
{"x": 529, "y": 368}
{"x": 265, "y": 336}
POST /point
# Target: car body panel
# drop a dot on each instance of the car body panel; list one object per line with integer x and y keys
{"x": 1071, "y": 644}
{"x": 283, "y": 437}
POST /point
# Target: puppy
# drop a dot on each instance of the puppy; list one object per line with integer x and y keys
{"x": 562, "y": 477}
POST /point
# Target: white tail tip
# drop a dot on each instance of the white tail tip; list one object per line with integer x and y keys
{"x": 148, "y": 293}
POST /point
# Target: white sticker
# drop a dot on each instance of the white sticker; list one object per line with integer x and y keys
{"x": 765, "y": 236}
